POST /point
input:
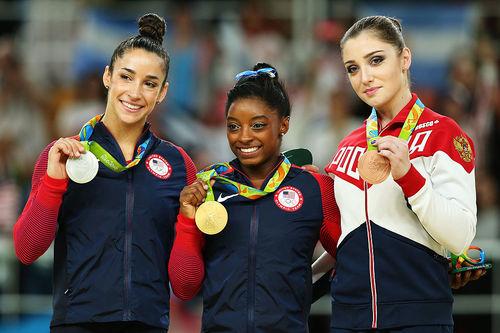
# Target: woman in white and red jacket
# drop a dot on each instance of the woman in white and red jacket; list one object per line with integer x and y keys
{"x": 392, "y": 272}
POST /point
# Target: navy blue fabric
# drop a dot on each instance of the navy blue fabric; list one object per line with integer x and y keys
{"x": 410, "y": 329}
{"x": 411, "y": 282}
{"x": 120, "y": 327}
{"x": 114, "y": 240}
{"x": 258, "y": 275}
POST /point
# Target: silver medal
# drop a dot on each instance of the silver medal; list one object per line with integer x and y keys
{"x": 83, "y": 169}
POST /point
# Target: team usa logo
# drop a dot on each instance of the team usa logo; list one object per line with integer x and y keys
{"x": 158, "y": 166}
{"x": 289, "y": 198}
{"x": 463, "y": 147}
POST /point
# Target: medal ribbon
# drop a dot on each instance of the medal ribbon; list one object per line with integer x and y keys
{"x": 457, "y": 260}
{"x": 102, "y": 154}
{"x": 216, "y": 171}
{"x": 408, "y": 126}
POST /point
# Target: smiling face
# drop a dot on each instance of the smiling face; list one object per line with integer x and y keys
{"x": 134, "y": 86}
{"x": 254, "y": 132}
{"x": 378, "y": 73}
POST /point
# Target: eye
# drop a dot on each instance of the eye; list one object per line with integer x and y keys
{"x": 351, "y": 69}
{"x": 232, "y": 127}
{"x": 376, "y": 60}
{"x": 151, "y": 84}
{"x": 258, "y": 126}
{"x": 125, "y": 77}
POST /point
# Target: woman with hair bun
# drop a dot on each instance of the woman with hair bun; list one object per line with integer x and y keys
{"x": 109, "y": 198}
{"x": 256, "y": 269}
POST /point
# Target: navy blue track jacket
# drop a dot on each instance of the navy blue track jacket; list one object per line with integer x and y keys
{"x": 115, "y": 236}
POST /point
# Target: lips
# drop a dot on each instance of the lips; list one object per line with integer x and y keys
{"x": 248, "y": 151}
{"x": 131, "y": 107}
{"x": 371, "y": 91}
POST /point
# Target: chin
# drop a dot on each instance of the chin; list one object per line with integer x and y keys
{"x": 131, "y": 118}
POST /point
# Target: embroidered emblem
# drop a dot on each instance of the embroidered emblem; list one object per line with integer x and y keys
{"x": 289, "y": 198}
{"x": 463, "y": 147}
{"x": 158, "y": 166}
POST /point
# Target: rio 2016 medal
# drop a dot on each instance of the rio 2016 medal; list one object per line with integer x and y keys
{"x": 211, "y": 217}
{"x": 373, "y": 167}
{"x": 83, "y": 169}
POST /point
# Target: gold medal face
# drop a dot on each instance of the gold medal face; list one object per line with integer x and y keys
{"x": 373, "y": 167}
{"x": 211, "y": 217}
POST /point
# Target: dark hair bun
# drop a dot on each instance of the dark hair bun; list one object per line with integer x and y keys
{"x": 261, "y": 65}
{"x": 152, "y": 26}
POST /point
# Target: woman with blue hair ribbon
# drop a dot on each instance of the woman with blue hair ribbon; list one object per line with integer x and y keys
{"x": 261, "y": 217}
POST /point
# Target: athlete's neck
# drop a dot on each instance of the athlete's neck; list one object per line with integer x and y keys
{"x": 389, "y": 111}
{"x": 258, "y": 174}
{"x": 126, "y": 135}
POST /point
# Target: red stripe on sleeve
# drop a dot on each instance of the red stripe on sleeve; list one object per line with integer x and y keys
{"x": 330, "y": 229}
{"x": 186, "y": 267}
{"x": 190, "y": 167}
{"x": 36, "y": 227}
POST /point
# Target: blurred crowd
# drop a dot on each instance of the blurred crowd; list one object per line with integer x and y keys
{"x": 49, "y": 93}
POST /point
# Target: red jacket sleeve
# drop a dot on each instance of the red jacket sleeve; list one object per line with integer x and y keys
{"x": 36, "y": 227}
{"x": 186, "y": 267}
{"x": 330, "y": 229}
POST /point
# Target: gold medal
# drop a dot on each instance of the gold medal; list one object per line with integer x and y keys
{"x": 211, "y": 217}
{"x": 373, "y": 167}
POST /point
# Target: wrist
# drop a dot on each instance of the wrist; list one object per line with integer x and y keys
{"x": 411, "y": 182}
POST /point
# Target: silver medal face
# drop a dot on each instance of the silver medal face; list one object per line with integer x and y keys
{"x": 83, "y": 169}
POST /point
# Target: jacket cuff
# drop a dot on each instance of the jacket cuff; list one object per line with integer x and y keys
{"x": 412, "y": 182}
{"x": 186, "y": 224}
{"x": 52, "y": 190}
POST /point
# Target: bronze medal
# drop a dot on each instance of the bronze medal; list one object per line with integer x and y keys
{"x": 373, "y": 167}
{"x": 211, "y": 217}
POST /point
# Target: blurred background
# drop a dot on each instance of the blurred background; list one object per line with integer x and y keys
{"x": 52, "y": 55}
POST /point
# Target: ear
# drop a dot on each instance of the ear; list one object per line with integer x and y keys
{"x": 285, "y": 123}
{"x": 106, "y": 77}
{"x": 163, "y": 93}
{"x": 406, "y": 59}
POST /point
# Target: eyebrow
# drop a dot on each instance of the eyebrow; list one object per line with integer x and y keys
{"x": 150, "y": 77}
{"x": 366, "y": 56}
{"x": 253, "y": 118}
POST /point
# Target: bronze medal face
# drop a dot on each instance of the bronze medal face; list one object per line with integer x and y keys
{"x": 211, "y": 217}
{"x": 373, "y": 167}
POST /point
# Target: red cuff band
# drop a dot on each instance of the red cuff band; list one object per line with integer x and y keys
{"x": 412, "y": 182}
{"x": 52, "y": 190}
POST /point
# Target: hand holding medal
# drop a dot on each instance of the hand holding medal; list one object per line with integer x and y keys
{"x": 211, "y": 216}
{"x": 63, "y": 150}
{"x": 387, "y": 154}
{"x": 83, "y": 168}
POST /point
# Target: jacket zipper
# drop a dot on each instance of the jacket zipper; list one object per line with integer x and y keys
{"x": 254, "y": 228}
{"x": 371, "y": 260}
{"x": 128, "y": 245}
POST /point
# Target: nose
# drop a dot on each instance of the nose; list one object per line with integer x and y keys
{"x": 245, "y": 134}
{"x": 366, "y": 75}
{"x": 135, "y": 91}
